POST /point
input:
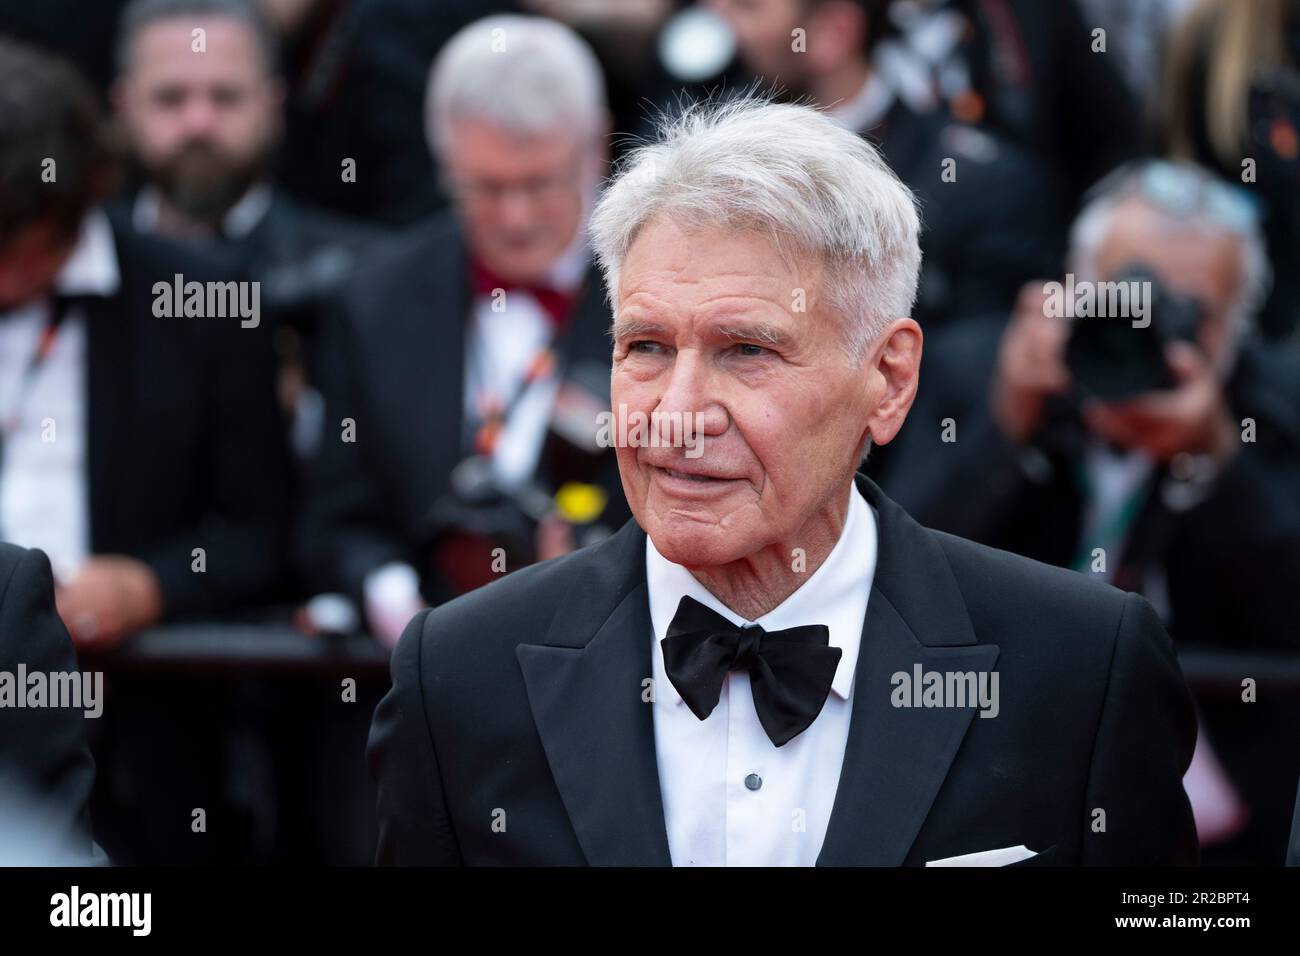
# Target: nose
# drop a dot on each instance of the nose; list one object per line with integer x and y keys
{"x": 199, "y": 115}
{"x": 691, "y": 395}
{"x": 516, "y": 210}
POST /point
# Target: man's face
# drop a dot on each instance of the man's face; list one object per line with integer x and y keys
{"x": 763, "y": 31}
{"x": 30, "y": 262}
{"x": 705, "y": 324}
{"x": 201, "y": 124}
{"x": 521, "y": 199}
{"x": 1205, "y": 267}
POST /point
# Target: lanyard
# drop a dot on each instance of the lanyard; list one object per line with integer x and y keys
{"x": 58, "y": 311}
{"x": 494, "y": 411}
{"x": 1116, "y": 525}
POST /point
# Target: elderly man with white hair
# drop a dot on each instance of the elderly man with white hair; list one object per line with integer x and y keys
{"x": 479, "y": 340}
{"x": 773, "y": 664}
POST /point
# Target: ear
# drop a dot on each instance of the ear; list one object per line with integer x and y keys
{"x": 893, "y": 367}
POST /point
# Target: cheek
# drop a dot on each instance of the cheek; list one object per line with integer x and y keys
{"x": 762, "y": 425}
{"x": 801, "y": 435}
{"x": 250, "y": 132}
{"x": 483, "y": 230}
{"x": 564, "y": 222}
{"x": 156, "y": 137}
{"x": 633, "y": 385}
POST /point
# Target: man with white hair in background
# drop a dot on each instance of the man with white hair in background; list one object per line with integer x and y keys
{"x": 463, "y": 356}
{"x": 773, "y": 664}
{"x": 1162, "y": 457}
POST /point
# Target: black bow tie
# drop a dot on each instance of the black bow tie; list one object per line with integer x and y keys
{"x": 790, "y": 671}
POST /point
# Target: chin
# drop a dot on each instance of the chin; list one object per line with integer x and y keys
{"x": 695, "y": 544}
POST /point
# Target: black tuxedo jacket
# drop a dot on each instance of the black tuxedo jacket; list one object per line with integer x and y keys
{"x": 1227, "y": 564}
{"x": 522, "y": 702}
{"x": 43, "y": 754}
{"x": 392, "y": 360}
{"x": 184, "y": 440}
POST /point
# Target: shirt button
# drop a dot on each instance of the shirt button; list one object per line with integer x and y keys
{"x": 753, "y": 781}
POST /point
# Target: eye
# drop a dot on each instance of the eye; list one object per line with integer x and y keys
{"x": 169, "y": 97}
{"x": 750, "y": 350}
{"x": 645, "y": 347}
{"x": 227, "y": 96}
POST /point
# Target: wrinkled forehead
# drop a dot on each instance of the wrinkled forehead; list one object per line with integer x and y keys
{"x": 700, "y": 260}
{"x": 480, "y": 147}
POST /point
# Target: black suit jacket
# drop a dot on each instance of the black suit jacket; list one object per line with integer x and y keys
{"x": 393, "y": 362}
{"x": 43, "y": 753}
{"x": 185, "y": 445}
{"x": 526, "y": 697}
{"x": 1229, "y": 564}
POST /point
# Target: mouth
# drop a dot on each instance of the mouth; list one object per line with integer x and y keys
{"x": 691, "y": 484}
{"x": 688, "y": 477}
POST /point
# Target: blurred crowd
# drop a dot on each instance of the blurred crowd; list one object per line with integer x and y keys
{"x": 407, "y": 412}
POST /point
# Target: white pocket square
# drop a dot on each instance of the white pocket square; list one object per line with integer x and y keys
{"x": 1002, "y": 857}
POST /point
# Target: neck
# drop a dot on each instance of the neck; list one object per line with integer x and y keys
{"x": 840, "y": 85}
{"x": 757, "y": 583}
{"x": 177, "y": 225}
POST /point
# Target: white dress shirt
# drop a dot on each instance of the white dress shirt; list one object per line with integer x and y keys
{"x": 731, "y": 797}
{"x": 500, "y": 348}
{"x": 239, "y": 221}
{"x": 44, "y": 499}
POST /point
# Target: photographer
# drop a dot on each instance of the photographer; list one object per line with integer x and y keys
{"x": 1187, "y": 492}
{"x": 1193, "y": 506}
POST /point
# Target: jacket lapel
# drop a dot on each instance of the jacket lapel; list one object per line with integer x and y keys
{"x": 585, "y": 688}
{"x": 896, "y": 758}
{"x": 110, "y": 361}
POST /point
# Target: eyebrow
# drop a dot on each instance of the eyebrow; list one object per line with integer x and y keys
{"x": 627, "y": 328}
{"x": 755, "y": 332}
{"x": 740, "y": 332}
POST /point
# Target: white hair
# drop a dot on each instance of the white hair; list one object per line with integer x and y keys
{"x": 525, "y": 74}
{"x": 790, "y": 172}
{"x": 1204, "y": 200}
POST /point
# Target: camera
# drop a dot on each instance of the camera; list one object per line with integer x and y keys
{"x": 1110, "y": 357}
